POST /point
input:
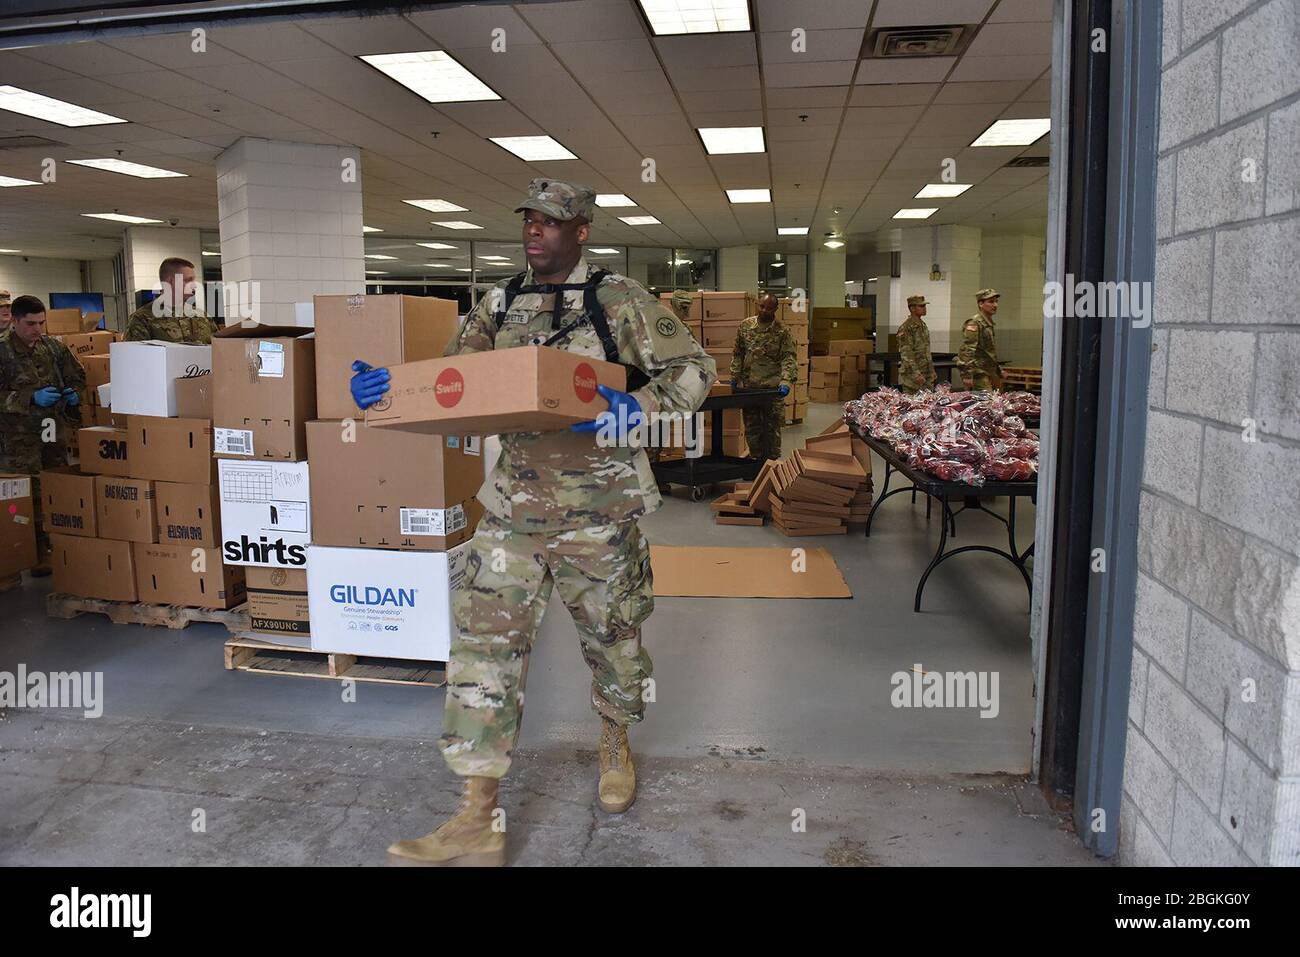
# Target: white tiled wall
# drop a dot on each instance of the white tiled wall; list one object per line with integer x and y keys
{"x": 39, "y": 277}
{"x": 290, "y": 222}
{"x": 952, "y": 298}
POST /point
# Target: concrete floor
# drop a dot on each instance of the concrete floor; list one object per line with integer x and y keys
{"x": 763, "y": 706}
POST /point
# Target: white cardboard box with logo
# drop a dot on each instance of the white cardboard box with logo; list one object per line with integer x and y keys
{"x": 387, "y": 604}
{"x": 265, "y": 513}
{"x": 145, "y": 374}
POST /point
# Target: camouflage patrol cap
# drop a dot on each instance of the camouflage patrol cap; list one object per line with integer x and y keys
{"x": 987, "y": 294}
{"x": 682, "y": 299}
{"x": 558, "y": 199}
{"x": 917, "y": 301}
{"x": 4, "y": 297}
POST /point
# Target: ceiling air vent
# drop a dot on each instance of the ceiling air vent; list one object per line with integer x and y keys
{"x": 918, "y": 41}
{"x": 1029, "y": 162}
{"x": 27, "y": 142}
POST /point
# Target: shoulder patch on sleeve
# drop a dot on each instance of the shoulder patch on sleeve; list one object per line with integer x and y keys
{"x": 972, "y": 327}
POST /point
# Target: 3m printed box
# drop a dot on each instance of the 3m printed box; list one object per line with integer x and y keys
{"x": 384, "y": 603}
{"x": 265, "y": 513}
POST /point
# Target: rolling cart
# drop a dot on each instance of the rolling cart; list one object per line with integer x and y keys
{"x": 698, "y": 474}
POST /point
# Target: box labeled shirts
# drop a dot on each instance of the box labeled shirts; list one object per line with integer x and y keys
{"x": 265, "y": 513}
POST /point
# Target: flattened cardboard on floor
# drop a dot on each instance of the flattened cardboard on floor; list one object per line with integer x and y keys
{"x": 188, "y": 514}
{"x": 186, "y": 576}
{"x": 104, "y": 450}
{"x": 382, "y": 330}
{"x": 17, "y": 526}
{"x": 93, "y": 568}
{"x": 264, "y": 393}
{"x": 525, "y": 389}
{"x": 685, "y": 571}
{"x": 277, "y": 604}
{"x": 385, "y": 488}
{"x": 69, "y": 502}
{"x": 171, "y": 450}
{"x": 124, "y": 509}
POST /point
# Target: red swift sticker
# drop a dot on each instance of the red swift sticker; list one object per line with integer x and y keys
{"x": 584, "y": 382}
{"x": 449, "y": 387}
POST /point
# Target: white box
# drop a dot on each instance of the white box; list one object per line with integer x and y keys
{"x": 105, "y": 394}
{"x": 144, "y": 374}
{"x": 386, "y": 604}
{"x": 265, "y": 513}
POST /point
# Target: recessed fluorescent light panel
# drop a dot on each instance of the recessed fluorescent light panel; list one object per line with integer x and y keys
{"x": 128, "y": 169}
{"x": 436, "y": 205}
{"x": 719, "y": 140}
{"x": 371, "y": 229}
{"x": 1014, "y": 132}
{"x": 6, "y": 181}
{"x": 122, "y": 218}
{"x": 941, "y": 190}
{"x": 433, "y": 75}
{"x": 792, "y": 230}
{"x": 640, "y": 220}
{"x": 47, "y": 108}
{"x": 606, "y": 251}
{"x": 209, "y": 252}
{"x": 675, "y": 17}
{"x": 495, "y": 259}
{"x": 915, "y": 213}
{"x": 378, "y": 256}
{"x": 613, "y": 199}
{"x": 436, "y": 245}
{"x": 533, "y": 148}
{"x": 457, "y": 224}
{"x": 832, "y": 244}
{"x": 749, "y": 195}
{"x": 9, "y": 252}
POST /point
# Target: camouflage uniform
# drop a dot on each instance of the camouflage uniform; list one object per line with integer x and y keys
{"x": 916, "y": 364}
{"x": 24, "y": 371}
{"x": 978, "y": 358}
{"x": 145, "y": 324}
{"x": 561, "y": 511}
{"x": 764, "y": 357}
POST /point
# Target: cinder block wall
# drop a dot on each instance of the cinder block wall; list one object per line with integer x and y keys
{"x": 1212, "y": 773}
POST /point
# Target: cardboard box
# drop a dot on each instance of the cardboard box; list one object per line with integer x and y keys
{"x": 93, "y": 568}
{"x": 188, "y": 514}
{"x": 104, "y": 416}
{"x": 824, "y": 363}
{"x": 145, "y": 374}
{"x": 194, "y": 397}
{"x": 171, "y": 450}
{"x": 17, "y": 525}
{"x": 97, "y": 372}
{"x": 124, "y": 509}
{"x": 265, "y": 392}
{"x": 187, "y": 576}
{"x": 104, "y": 450}
{"x": 277, "y": 604}
{"x": 68, "y": 502}
{"x": 82, "y": 344}
{"x": 383, "y": 603}
{"x": 720, "y": 335}
{"x": 850, "y": 347}
{"x": 525, "y": 389}
{"x": 265, "y": 513}
{"x": 61, "y": 322}
{"x": 728, "y": 307}
{"x": 392, "y": 489}
{"x": 382, "y": 330}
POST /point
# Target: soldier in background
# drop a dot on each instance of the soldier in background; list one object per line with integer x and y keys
{"x": 764, "y": 357}
{"x": 561, "y": 512}
{"x": 5, "y": 309}
{"x": 40, "y": 395}
{"x": 681, "y": 300}
{"x": 163, "y": 318}
{"x": 916, "y": 364}
{"x": 978, "y": 358}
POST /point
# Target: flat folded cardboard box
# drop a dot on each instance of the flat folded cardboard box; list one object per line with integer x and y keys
{"x": 93, "y": 568}
{"x": 265, "y": 513}
{"x": 384, "y": 488}
{"x": 384, "y": 603}
{"x": 82, "y": 344}
{"x": 188, "y": 514}
{"x": 187, "y": 576}
{"x": 264, "y": 391}
{"x": 124, "y": 509}
{"x": 68, "y": 502}
{"x": 194, "y": 397}
{"x": 17, "y": 526}
{"x": 525, "y": 389}
{"x": 104, "y": 450}
{"x": 382, "y": 330}
{"x": 171, "y": 450}
{"x": 277, "y": 604}
{"x": 145, "y": 374}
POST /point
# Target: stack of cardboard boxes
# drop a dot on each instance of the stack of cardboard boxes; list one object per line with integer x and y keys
{"x": 723, "y": 313}
{"x": 794, "y": 314}
{"x": 91, "y": 350}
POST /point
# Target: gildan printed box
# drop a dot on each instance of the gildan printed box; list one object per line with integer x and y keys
{"x": 384, "y": 603}
{"x": 265, "y": 513}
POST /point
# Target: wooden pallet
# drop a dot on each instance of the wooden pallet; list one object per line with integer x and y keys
{"x": 1027, "y": 378}
{"x": 249, "y": 653}
{"x": 141, "y": 613}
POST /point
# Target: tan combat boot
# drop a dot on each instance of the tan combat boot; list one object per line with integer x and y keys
{"x": 466, "y": 839}
{"x": 617, "y": 788}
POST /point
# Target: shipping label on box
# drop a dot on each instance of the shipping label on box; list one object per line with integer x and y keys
{"x": 277, "y": 604}
{"x": 124, "y": 509}
{"x": 384, "y": 603}
{"x": 186, "y": 576}
{"x": 104, "y": 450}
{"x": 265, "y": 513}
{"x": 265, "y": 391}
{"x": 188, "y": 514}
{"x": 93, "y": 568}
{"x": 145, "y": 374}
{"x": 68, "y": 502}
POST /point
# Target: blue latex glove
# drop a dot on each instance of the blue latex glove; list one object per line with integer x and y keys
{"x": 783, "y": 389}
{"x": 71, "y": 397}
{"x": 625, "y": 409}
{"x": 732, "y": 383}
{"x": 47, "y": 397}
{"x": 368, "y": 385}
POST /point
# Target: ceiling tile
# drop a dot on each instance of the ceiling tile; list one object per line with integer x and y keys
{"x": 1000, "y": 68}
{"x": 815, "y": 45}
{"x": 1009, "y": 10}
{"x": 910, "y": 13}
{"x": 828, "y": 73}
{"x": 902, "y": 94}
{"x": 781, "y": 15}
{"x": 911, "y": 70}
{"x": 995, "y": 39}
